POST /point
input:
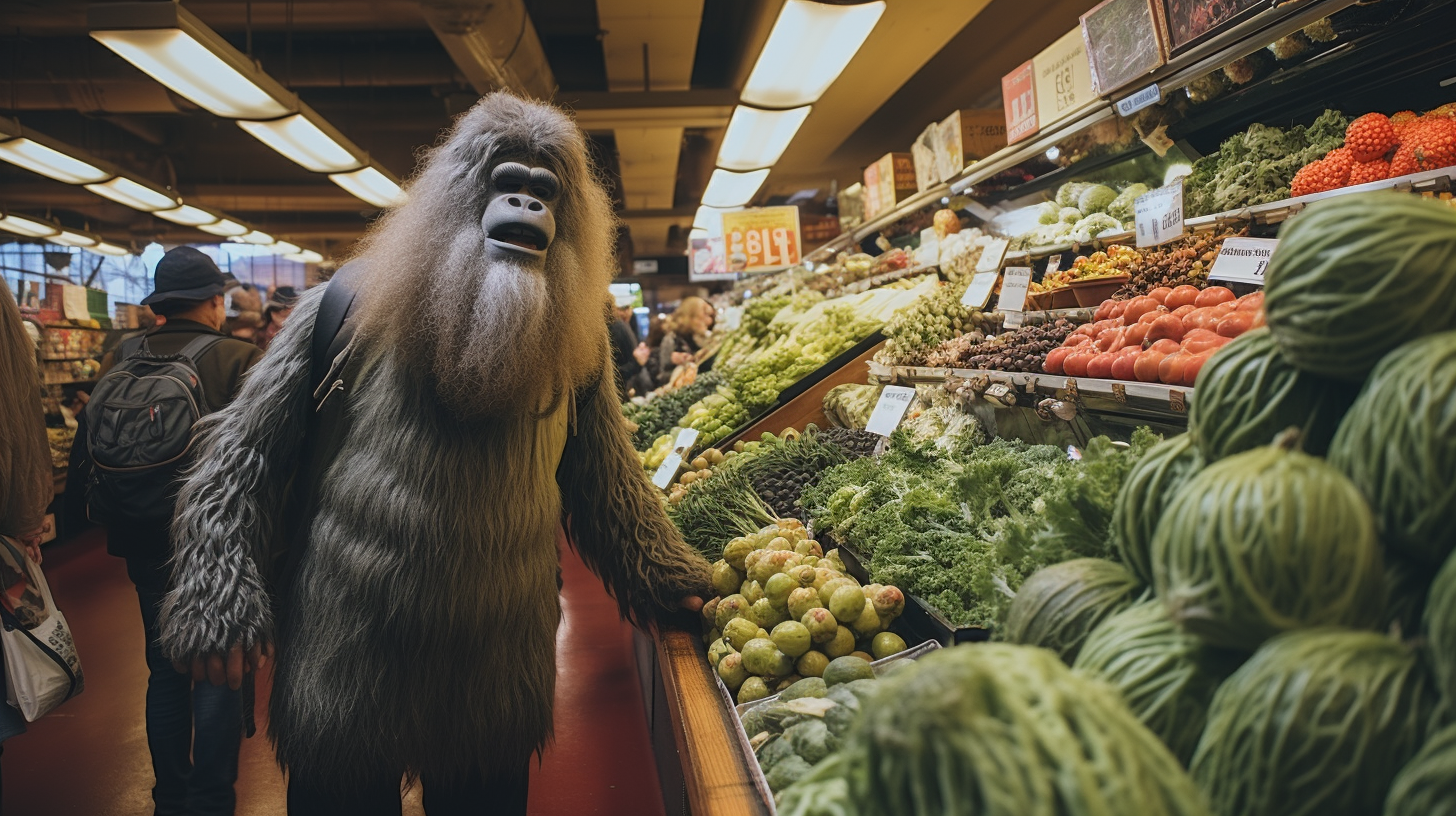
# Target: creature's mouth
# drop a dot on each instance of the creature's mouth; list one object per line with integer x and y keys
{"x": 520, "y": 237}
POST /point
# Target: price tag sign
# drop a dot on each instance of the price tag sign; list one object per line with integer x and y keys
{"x": 1053, "y": 264}
{"x": 1243, "y": 260}
{"x": 1160, "y": 215}
{"x": 685, "y": 439}
{"x": 761, "y": 240}
{"x": 992, "y": 254}
{"x": 929, "y": 251}
{"x": 663, "y": 477}
{"x": 980, "y": 290}
{"x": 894, "y": 400}
{"x": 1145, "y": 98}
{"x": 1014, "y": 287}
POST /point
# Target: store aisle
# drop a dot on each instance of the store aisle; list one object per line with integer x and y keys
{"x": 90, "y": 757}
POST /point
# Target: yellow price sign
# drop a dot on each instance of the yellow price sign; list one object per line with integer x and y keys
{"x": 762, "y": 240}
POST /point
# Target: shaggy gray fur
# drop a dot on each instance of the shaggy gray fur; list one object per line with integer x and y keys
{"x": 417, "y": 632}
{"x": 228, "y": 509}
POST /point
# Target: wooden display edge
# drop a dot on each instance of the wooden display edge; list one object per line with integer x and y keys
{"x": 715, "y": 771}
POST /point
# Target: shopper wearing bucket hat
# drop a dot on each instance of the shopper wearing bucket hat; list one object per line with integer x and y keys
{"x": 193, "y": 733}
{"x": 276, "y": 312}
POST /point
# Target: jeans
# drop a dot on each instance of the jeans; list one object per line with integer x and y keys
{"x": 194, "y": 733}
{"x": 501, "y": 795}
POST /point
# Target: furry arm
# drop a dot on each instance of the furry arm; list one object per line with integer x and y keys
{"x": 616, "y": 519}
{"x": 234, "y": 494}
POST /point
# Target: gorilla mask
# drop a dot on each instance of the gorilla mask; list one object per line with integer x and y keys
{"x": 491, "y": 279}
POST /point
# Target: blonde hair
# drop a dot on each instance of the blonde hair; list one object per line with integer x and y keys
{"x": 25, "y": 454}
{"x": 681, "y": 320}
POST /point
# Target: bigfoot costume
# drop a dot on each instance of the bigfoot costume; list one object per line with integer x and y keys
{"x": 408, "y": 545}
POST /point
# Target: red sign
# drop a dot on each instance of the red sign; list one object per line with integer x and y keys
{"x": 762, "y": 240}
{"x": 1018, "y": 92}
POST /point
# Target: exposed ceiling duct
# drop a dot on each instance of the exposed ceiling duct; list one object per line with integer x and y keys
{"x": 493, "y": 43}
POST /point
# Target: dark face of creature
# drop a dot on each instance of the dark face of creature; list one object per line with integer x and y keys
{"x": 518, "y": 222}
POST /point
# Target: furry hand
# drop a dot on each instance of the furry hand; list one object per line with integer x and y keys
{"x": 691, "y": 603}
{"x": 216, "y": 669}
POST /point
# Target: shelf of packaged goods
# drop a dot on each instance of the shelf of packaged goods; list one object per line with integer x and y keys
{"x": 1237, "y": 41}
{"x": 1240, "y": 40}
{"x": 1024, "y": 388}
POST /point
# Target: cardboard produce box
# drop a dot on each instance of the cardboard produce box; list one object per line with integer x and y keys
{"x": 1063, "y": 79}
{"x": 946, "y": 147}
{"x": 888, "y": 182}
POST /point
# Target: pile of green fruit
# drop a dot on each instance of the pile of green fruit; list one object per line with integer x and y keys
{"x": 917, "y": 329}
{"x": 805, "y": 724}
{"x": 785, "y": 609}
{"x": 715, "y": 417}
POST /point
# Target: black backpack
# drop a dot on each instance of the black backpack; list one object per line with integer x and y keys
{"x": 139, "y": 432}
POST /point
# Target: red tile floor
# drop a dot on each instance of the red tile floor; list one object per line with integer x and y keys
{"x": 89, "y": 757}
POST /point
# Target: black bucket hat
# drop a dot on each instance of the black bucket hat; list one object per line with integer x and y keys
{"x": 186, "y": 274}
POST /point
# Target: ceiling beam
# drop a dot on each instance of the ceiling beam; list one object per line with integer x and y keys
{"x": 600, "y": 121}
{"x": 493, "y": 43}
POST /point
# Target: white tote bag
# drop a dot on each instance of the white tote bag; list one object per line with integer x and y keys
{"x": 42, "y": 669}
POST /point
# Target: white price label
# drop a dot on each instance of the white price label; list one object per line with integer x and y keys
{"x": 1142, "y": 99}
{"x": 1160, "y": 215}
{"x": 929, "y": 252}
{"x": 685, "y": 439}
{"x": 663, "y": 477}
{"x": 980, "y": 290}
{"x": 992, "y": 255}
{"x": 894, "y": 401}
{"x": 1243, "y": 260}
{"x": 1053, "y": 264}
{"x": 1014, "y": 286}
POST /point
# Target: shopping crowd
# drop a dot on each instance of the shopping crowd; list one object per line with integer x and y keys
{"x": 218, "y": 329}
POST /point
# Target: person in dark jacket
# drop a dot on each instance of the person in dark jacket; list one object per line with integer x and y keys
{"x": 629, "y": 355}
{"x": 194, "y": 732}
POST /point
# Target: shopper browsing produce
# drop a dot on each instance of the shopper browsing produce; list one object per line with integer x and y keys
{"x": 684, "y": 334}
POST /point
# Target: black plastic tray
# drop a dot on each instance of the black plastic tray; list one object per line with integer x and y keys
{"x": 920, "y": 618}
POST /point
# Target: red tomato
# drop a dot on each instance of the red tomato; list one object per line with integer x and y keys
{"x": 1101, "y": 366}
{"x": 1235, "y": 324}
{"x": 1165, "y": 346}
{"x": 1053, "y": 364}
{"x": 1075, "y": 339}
{"x": 1110, "y": 340}
{"x": 1194, "y": 365}
{"x": 1161, "y": 295}
{"x": 1170, "y": 370}
{"x": 1104, "y": 311}
{"x": 1122, "y": 367}
{"x": 1214, "y": 295}
{"x": 1139, "y": 306}
{"x": 1075, "y": 365}
{"x": 1200, "y": 318}
{"x": 1183, "y": 311}
{"x": 1135, "y": 334}
{"x": 1258, "y": 319}
{"x": 1153, "y": 315}
{"x": 1196, "y": 345}
{"x": 1252, "y": 302}
{"x": 1145, "y": 367}
{"x": 1166, "y": 326}
{"x": 1181, "y": 296}
{"x": 1118, "y": 310}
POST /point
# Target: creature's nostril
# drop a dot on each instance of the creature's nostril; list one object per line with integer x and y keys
{"x": 513, "y": 201}
{"x": 535, "y": 206}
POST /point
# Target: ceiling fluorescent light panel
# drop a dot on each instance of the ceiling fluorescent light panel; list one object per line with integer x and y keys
{"x": 757, "y": 138}
{"x": 26, "y": 226}
{"x": 73, "y": 239}
{"x": 195, "y": 70}
{"x": 38, "y": 158}
{"x": 729, "y": 189}
{"x": 305, "y": 256}
{"x": 187, "y": 216}
{"x": 303, "y": 143}
{"x": 809, "y": 46}
{"x": 255, "y": 237}
{"x": 370, "y": 185}
{"x": 225, "y": 229}
{"x": 104, "y": 248}
{"x": 138, "y": 196}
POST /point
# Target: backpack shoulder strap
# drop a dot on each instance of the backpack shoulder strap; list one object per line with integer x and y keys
{"x": 330, "y": 336}
{"x": 130, "y": 347}
{"x": 200, "y": 346}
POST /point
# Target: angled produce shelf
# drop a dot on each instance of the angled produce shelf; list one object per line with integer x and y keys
{"x": 1030, "y": 389}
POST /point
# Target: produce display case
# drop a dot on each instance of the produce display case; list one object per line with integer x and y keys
{"x": 1387, "y": 56}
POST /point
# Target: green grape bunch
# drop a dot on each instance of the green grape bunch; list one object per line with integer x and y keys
{"x": 916, "y": 330}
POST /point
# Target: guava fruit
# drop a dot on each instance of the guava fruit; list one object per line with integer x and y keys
{"x": 732, "y": 672}
{"x": 841, "y": 645}
{"x": 847, "y": 669}
{"x": 886, "y": 644}
{"x": 739, "y": 632}
{"x": 733, "y": 606}
{"x": 778, "y": 588}
{"x": 802, "y": 600}
{"x": 726, "y": 579}
{"x": 846, "y": 603}
{"x": 792, "y": 638}
{"x": 752, "y": 689}
{"x": 811, "y": 664}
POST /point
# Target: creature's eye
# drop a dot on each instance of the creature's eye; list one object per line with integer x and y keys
{"x": 544, "y": 184}
{"x": 510, "y": 177}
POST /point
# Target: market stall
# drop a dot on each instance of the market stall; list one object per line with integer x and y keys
{"x": 1175, "y": 407}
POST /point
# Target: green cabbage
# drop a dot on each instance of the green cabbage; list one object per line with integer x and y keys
{"x": 1048, "y": 212}
{"x": 1356, "y": 276}
{"x": 1265, "y": 541}
{"x": 1317, "y": 723}
{"x": 1426, "y": 786}
{"x": 1094, "y": 225}
{"x": 996, "y": 730}
{"x": 1058, "y": 606}
{"x": 1069, "y": 215}
{"x": 1096, "y": 198}
{"x": 1166, "y": 676}
{"x": 1069, "y": 193}
{"x": 1122, "y": 207}
{"x": 1397, "y": 443}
